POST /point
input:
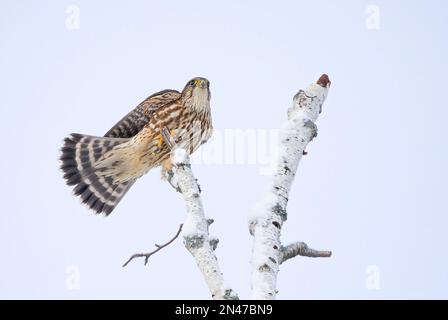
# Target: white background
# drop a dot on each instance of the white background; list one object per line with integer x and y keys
{"x": 373, "y": 187}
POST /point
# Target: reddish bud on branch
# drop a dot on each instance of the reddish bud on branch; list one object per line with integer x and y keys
{"x": 324, "y": 81}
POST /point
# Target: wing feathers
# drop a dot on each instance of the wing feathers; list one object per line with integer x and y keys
{"x": 135, "y": 120}
{"x": 80, "y": 152}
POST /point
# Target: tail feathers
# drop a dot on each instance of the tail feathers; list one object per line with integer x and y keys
{"x": 79, "y": 155}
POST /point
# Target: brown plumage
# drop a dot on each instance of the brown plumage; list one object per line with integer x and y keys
{"x": 102, "y": 169}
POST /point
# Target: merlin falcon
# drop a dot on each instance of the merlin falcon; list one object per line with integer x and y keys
{"x": 102, "y": 169}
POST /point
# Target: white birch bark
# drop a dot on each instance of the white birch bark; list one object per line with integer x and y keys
{"x": 266, "y": 220}
{"x": 195, "y": 230}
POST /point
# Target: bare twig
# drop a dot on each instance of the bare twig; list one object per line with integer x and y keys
{"x": 158, "y": 246}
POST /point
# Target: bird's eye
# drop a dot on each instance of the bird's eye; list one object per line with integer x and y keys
{"x": 191, "y": 83}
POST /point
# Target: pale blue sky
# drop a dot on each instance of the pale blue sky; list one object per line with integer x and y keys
{"x": 373, "y": 187}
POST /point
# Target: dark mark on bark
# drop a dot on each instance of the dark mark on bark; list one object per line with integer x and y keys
{"x": 277, "y": 209}
{"x": 195, "y": 241}
{"x": 265, "y": 268}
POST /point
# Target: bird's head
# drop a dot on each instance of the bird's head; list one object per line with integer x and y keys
{"x": 196, "y": 94}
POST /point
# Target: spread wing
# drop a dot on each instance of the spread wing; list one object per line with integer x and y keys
{"x": 102, "y": 194}
{"x": 135, "y": 120}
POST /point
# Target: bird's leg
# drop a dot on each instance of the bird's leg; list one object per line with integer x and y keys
{"x": 166, "y": 136}
{"x": 167, "y": 165}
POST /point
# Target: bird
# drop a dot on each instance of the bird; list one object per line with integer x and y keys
{"x": 102, "y": 169}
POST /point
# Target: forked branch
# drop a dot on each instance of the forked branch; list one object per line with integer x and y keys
{"x": 159, "y": 247}
{"x": 266, "y": 221}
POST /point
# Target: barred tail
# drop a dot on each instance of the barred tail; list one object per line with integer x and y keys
{"x": 79, "y": 154}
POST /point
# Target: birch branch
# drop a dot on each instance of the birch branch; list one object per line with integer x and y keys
{"x": 266, "y": 220}
{"x": 301, "y": 249}
{"x": 195, "y": 229}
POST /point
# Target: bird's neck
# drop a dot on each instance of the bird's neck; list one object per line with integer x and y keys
{"x": 198, "y": 104}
